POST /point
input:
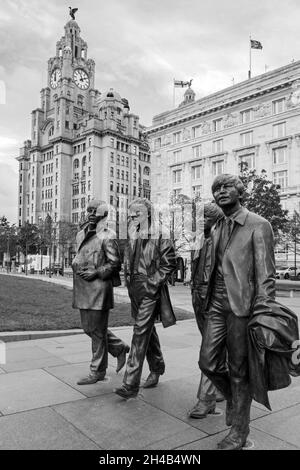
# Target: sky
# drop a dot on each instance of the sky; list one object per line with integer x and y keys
{"x": 139, "y": 47}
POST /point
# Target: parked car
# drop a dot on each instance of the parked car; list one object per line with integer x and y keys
{"x": 286, "y": 272}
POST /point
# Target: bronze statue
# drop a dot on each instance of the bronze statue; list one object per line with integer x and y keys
{"x": 72, "y": 12}
{"x": 147, "y": 264}
{"x": 96, "y": 269}
{"x": 207, "y": 394}
{"x": 242, "y": 270}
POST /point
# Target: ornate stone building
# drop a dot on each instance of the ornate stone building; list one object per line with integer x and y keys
{"x": 83, "y": 143}
{"x": 256, "y": 121}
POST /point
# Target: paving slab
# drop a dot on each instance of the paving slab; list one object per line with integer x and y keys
{"x": 177, "y": 397}
{"x": 31, "y": 364}
{"x": 22, "y": 391}
{"x": 41, "y": 429}
{"x": 114, "y": 423}
{"x": 69, "y": 374}
{"x": 24, "y": 353}
{"x": 280, "y": 399}
{"x": 257, "y": 441}
{"x": 284, "y": 424}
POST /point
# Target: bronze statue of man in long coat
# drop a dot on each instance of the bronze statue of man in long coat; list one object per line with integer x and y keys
{"x": 96, "y": 269}
{"x": 149, "y": 260}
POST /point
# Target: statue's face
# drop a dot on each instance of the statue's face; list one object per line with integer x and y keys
{"x": 93, "y": 217}
{"x": 138, "y": 217}
{"x": 226, "y": 193}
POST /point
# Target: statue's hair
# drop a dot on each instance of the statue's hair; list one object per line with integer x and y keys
{"x": 101, "y": 206}
{"x": 212, "y": 211}
{"x": 143, "y": 202}
{"x": 227, "y": 178}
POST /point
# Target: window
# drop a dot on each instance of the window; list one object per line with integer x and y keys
{"x": 134, "y": 177}
{"x": 196, "y": 132}
{"x": 246, "y": 116}
{"x": 279, "y": 130}
{"x": 118, "y": 159}
{"x": 196, "y": 172}
{"x": 176, "y": 137}
{"x": 197, "y": 151}
{"x": 177, "y": 156}
{"x": 146, "y": 171}
{"x": 280, "y": 177}
{"x": 157, "y": 143}
{"x": 217, "y": 125}
{"x": 176, "y": 192}
{"x": 197, "y": 190}
{"x": 111, "y": 171}
{"x": 127, "y": 161}
{"x": 112, "y": 157}
{"x": 218, "y": 167}
{"x": 111, "y": 185}
{"x": 218, "y": 146}
{"x": 134, "y": 164}
{"x": 278, "y": 106}
{"x": 279, "y": 155}
{"x": 246, "y": 138}
{"x": 89, "y": 171}
{"x": 247, "y": 162}
{"x": 76, "y": 163}
{"x": 67, "y": 125}
{"x": 118, "y": 173}
{"x": 177, "y": 174}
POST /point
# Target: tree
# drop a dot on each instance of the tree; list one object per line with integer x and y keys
{"x": 8, "y": 238}
{"x": 67, "y": 232}
{"x": 292, "y": 238}
{"x": 262, "y": 197}
{"x": 28, "y": 240}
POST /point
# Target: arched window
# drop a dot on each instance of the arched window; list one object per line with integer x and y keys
{"x": 51, "y": 131}
{"x": 76, "y": 164}
{"x": 146, "y": 170}
{"x": 80, "y": 100}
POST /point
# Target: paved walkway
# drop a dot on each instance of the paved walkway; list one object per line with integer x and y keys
{"x": 42, "y": 407}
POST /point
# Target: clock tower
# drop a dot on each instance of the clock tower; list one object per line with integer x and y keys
{"x": 83, "y": 144}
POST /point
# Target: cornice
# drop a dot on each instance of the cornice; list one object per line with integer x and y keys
{"x": 225, "y": 105}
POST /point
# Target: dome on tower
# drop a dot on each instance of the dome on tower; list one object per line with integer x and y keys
{"x": 189, "y": 96}
{"x": 72, "y": 25}
{"x": 111, "y": 95}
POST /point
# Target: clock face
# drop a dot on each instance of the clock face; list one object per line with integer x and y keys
{"x": 81, "y": 79}
{"x": 55, "y": 77}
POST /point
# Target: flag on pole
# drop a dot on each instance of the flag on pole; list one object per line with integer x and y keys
{"x": 255, "y": 44}
{"x": 181, "y": 83}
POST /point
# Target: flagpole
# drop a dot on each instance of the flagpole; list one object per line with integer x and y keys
{"x": 249, "y": 73}
{"x": 173, "y": 92}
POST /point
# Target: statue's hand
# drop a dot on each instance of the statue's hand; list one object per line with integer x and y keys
{"x": 88, "y": 274}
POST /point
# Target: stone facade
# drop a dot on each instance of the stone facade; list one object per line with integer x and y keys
{"x": 256, "y": 121}
{"x": 83, "y": 143}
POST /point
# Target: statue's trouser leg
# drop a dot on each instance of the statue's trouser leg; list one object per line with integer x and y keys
{"x": 115, "y": 345}
{"x": 207, "y": 390}
{"x": 154, "y": 355}
{"x": 94, "y": 324}
{"x": 224, "y": 330}
{"x": 143, "y": 311}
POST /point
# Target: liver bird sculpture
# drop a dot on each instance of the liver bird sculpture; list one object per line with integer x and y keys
{"x": 72, "y": 12}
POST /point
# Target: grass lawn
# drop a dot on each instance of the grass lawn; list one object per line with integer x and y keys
{"x": 26, "y": 304}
